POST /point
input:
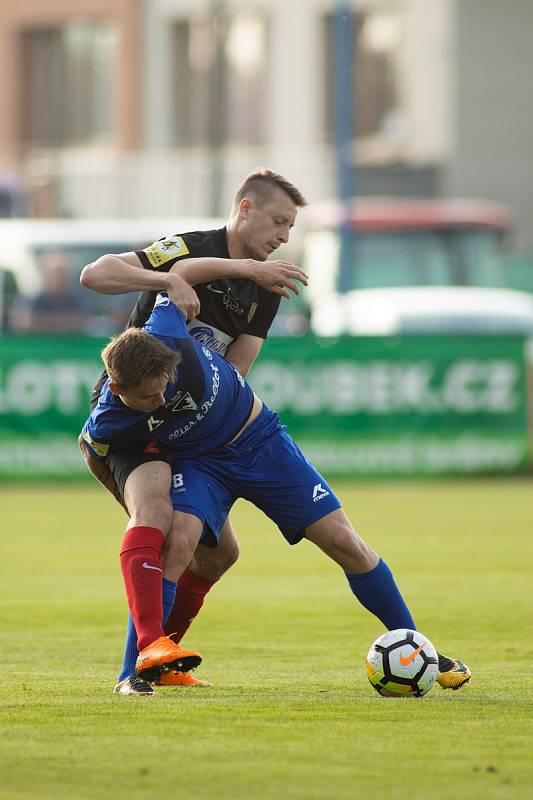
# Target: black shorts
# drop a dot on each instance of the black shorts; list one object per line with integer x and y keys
{"x": 124, "y": 461}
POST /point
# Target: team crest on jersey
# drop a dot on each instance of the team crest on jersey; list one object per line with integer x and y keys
{"x": 185, "y": 403}
{"x": 253, "y": 309}
{"x": 166, "y": 250}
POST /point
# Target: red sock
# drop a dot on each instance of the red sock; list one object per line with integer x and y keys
{"x": 140, "y": 562}
{"x": 190, "y": 593}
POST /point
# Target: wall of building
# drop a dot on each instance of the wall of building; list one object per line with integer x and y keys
{"x": 143, "y": 172}
{"x": 464, "y": 126}
{"x": 294, "y": 139}
{"x": 18, "y": 17}
{"x": 493, "y": 119}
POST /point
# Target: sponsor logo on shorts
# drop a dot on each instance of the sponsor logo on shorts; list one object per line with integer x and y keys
{"x": 319, "y": 493}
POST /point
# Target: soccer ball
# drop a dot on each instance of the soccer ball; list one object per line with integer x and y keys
{"x": 402, "y": 663}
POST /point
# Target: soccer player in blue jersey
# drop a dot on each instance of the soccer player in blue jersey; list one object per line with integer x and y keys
{"x": 239, "y": 294}
{"x": 164, "y": 386}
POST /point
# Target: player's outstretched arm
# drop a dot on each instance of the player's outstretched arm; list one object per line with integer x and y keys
{"x": 275, "y": 276}
{"x": 123, "y": 273}
{"x": 100, "y": 470}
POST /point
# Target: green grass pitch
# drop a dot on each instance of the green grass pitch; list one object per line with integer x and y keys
{"x": 292, "y": 714}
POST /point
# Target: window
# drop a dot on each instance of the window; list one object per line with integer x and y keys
{"x": 68, "y": 76}
{"x": 478, "y": 256}
{"x": 219, "y": 79}
{"x": 378, "y": 38}
{"x": 454, "y": 256}
{"x": 401, "y": 258}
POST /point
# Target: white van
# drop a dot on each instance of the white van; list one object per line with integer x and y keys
{"x": 24, "y": 243}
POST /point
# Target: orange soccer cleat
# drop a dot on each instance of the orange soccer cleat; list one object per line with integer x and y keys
{"x": 181, "y": 679}
{"x": 164, "y": 655}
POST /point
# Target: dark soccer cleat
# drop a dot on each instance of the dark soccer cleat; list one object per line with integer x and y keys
{"x": 134, "y": 685}
{"x": 452, "y": 673}
{"x": 162, "y": 656}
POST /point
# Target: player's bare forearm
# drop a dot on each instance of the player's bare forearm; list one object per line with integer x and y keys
{"x": 120, "y": 274}
{"x": 101, "y": 472}
{"x": 123, "y": 273}
{"x": 275, "y": 276}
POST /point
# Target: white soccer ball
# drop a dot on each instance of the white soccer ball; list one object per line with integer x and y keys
{"x": 402, "y": 663}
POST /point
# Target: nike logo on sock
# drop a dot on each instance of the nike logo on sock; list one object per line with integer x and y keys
{"x": 149, "y": 566}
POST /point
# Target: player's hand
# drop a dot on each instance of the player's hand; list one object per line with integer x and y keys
{"x": 278, "y": 276}
{"x": 183, "y": 296}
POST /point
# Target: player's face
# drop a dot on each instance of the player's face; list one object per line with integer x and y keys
{"x": 265, "y": 227}
{"x": 147, "y": 395}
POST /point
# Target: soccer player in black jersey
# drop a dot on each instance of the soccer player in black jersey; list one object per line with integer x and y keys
{"x": 231, "y": 315}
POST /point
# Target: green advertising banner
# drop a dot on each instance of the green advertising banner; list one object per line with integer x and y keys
{"x": 357, "y": 406}
{"x": 45, "y": 385}
{"x": 401, "y": 406}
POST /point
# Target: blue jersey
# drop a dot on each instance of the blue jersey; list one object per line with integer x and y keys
{"x": 206, "y": 405}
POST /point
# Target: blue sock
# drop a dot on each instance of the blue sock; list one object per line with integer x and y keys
{"x": 130, "y": 650}
{"x": 377, "y": 591}
{"x": 169, "y": 595}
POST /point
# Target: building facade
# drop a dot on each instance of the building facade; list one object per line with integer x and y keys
{"x": 132, "y": 108}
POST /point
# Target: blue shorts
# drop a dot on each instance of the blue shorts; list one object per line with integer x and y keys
{"x": 264, "y": 466}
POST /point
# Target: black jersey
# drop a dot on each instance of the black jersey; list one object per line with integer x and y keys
{"x": 228, "y": 306}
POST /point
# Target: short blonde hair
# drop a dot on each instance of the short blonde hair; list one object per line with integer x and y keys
{"x": 135, "y": 355}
